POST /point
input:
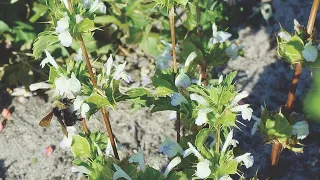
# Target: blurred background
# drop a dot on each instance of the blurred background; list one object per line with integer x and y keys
{"x": 134, "y": 37}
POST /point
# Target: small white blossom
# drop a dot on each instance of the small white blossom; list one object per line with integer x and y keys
{"x": 228, "y": 141}
{"x": 67, "y": 141}
{"x": 301, "y": 129}
{"x": 79, "y": 55}
{"x": 246, "y": 158}
{"x": 49, "y": 59}
{"x": 203, "y": 169}
{"x": 120, "y": 173}
{"x": 190, "y": 58}
{"x": 239, "y": 97}
{"x": 192, "y": 150}
{"x": 218, "y": 36}
{"x": 246, "y": 111}
{"x": 98, "y": 5}
{"x": 79, "y": 18}
{"x": 170, "y": 148}
{"x": 177, "y": 98}
{"x": 284, "y": 35}
{"x": 65, "y": 39}
{"x": 40, "y": 85}
{"x": 173, "y": 116}
{"x": 232, "y": 51}
{"x": 220, "y": 79}
{"x": 173, "y": 163}
{"x": 296, "y": 25}
{"x": 108, "y": 65}
{"x": 68, "y": 87}
{"x": 202, "y": 116}
{"x": 310, "y": 53}
{"x": 80, "y": 106}
{"x": 182, "y": 81}
{"x": 109, "y": 150}
{"x": 63, "y": 25}
{"x": 121, "y": 73}
{"x": 65, "y": 2}
{"x": 138, "y": 158}
{"x": 200, "y": 100}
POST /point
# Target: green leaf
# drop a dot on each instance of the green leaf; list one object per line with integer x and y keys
{"x": 278, "y": 126}
{"x": 42, "y": 43}
{"x": 162, "y": 104}
{"x": 4, "y": 27}
{"x": 85, "y": 25}
{"x": 178, "y": 176}
{"x": 182, "y": 2}
{"x": 96, "y": 101}
{"x": 149, "y": 43}
{"x": 292, "y": 51}
{"x": 39, "y": 9}
{"x": 53, "y": 74}
{"x": 201, "y": 139}
{"x": 150, "y": 173}
{"x": 187, "y": 48}
{"x": 230, "y": 167}
{"x": 163, "y": 91}
{"x": 101, "y": 172}
{"x": 106, "y": 19}
{"x": 191, "y": 21}
{"x": 138, "y": 92}
{"x": 80, "y": 147}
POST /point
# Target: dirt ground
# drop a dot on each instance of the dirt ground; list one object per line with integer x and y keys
{"x": 23, "y": 142}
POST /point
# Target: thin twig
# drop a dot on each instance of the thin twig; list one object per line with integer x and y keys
{"x": 277, "y": 147}
{"x": 85, "y": 127}
{"x": 175, "y": 66}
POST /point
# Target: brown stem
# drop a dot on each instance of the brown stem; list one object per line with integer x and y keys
{"x": 175, "y": 67}
{"x": 277, "y": 147}
{"x": 203, "y": 68}
{"x": 103, "y": 110}
{"x": 85, "y": 127}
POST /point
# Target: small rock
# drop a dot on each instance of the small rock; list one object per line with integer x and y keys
{"x": 6, "y": 113}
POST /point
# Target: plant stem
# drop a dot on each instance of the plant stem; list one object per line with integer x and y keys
{"x": 277, "y": 147}
{"x": 218, "y": 139}
{"x": 84, "y": 126}
{"x": 203, "y": 68}
{"x": 175, "y": 67}
{"x": 103, "y": 110}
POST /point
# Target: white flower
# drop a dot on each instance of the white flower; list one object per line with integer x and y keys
{"x": 218, "y": 36}
{"x": 68, "y": 87}
{"x": 170, "y": 148}
{"x": 190, "y": 58}
{"x": 246, "y": 158}
{"x": 80, "y": 169}
{"x": 310, "y": 53}
{"x": 200, "y": 100}
{"x": 203, "y": 169}
{"x": 65, "y": 2}
{"x": 225, "y": 177}
{"x": 301, "y": 129}
{"x": 239, "y": 96}
{"x": 80, "y": 106}
{"x": 120, "y": 173}
{"x": 65, "y": 39}
{"x": 40, "y": 85}
{"x": 192, "y": 150}
{"x": 182, "y": 81}
{"x": 86, "y": 3}
{"x": 62, "y": 25}
{"x": 98, "y": 5}
{"x": 138, "y": 158}
{"x": 109, "y": 150}
{"x": 67, "y": 141}
{"x": 108, "y": 65}
{"x": 121, "y": 73}
{"x": 246, "y": 111}
{"x": 49, "y": 59}
{"x": 255, "y": 125}
{"x": 220, "y": 79}
{"x": 296, "y": 25}
{"x": 173, "y": 163}
{"x": 79, "y": 18}
{"x": 232, "y": 51}
{"x": 228, "y": 141}
{"x": 284, "y": 35}
{"x": 79, "y": 55}
{"x": 177, "y": 98}
{"x": 202, "y": 116}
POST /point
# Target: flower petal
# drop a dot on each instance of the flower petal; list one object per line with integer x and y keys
{"x": 246, "y": 158}
{"x": 203, "y": 169}
{"x": 173, "y": 163}
{"x": 200, "y": 100}
{"x": 65, "y": 39}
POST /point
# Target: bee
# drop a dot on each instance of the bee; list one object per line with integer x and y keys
{"x": 63, "y": 113}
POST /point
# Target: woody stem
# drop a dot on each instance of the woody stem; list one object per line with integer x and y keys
{"x": 174, "y": 58}
{"x": 277, "y": 147}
